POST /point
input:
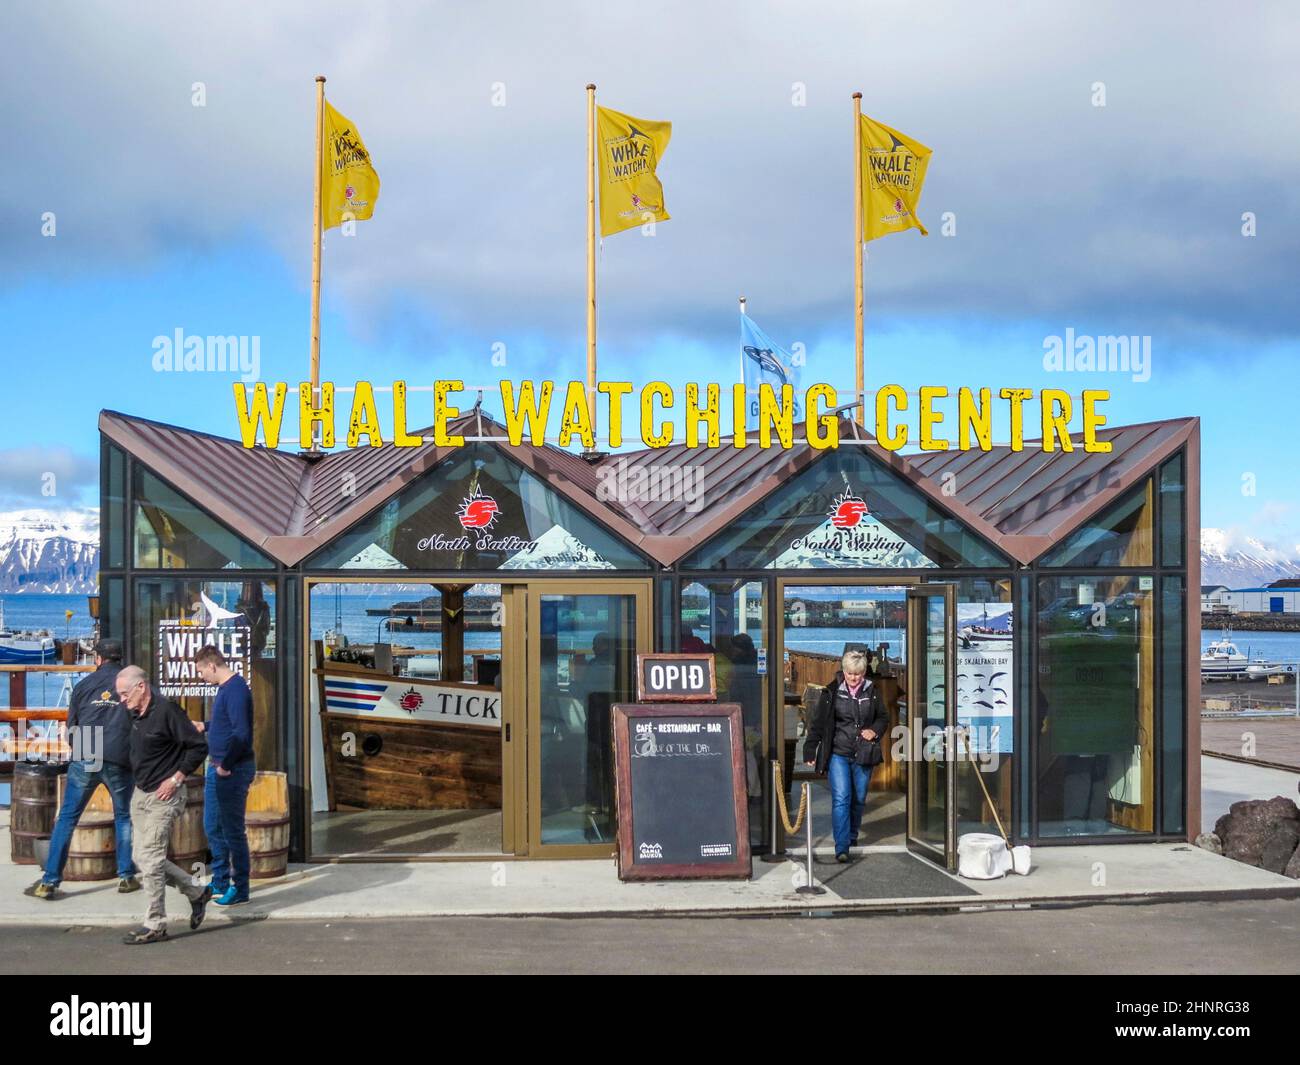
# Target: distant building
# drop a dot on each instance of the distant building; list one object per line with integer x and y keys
{"x": 1263, "y": 600}
{"x": 1214, "y": 599}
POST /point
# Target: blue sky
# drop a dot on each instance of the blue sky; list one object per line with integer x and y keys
{"x": 1117, "y": 219}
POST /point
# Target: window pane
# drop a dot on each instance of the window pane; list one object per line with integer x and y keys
{"x": 986, "y": 674}
{"x": 1120, "y": 537}
{"x": 476, "y": 511}
{"x": 1095, "y": 714}
{"x": 846, "y": 511}
{"x": 173, "y": 533}
{"x": 112, "y": 608}
{"x": 1171, "y": 512}
{"x": 729, "y": 619}
{"x": 405, "y": 722}
{"x": 113, "y": 510}
{"x": 174, "y": 617}
{"x": 1173, "y": 706}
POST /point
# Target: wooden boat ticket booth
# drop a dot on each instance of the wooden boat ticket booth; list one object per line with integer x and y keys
{"x": 435, "y": 635}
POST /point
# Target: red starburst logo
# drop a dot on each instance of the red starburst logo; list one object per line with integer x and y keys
{"x": 411, "y": 700}
{"x": 478, "y": 511}
{"x": 898, "y": 206}
{"x": 849, "y": 509}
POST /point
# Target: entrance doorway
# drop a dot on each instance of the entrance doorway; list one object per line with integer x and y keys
{"x": 461, "y": 720}
{"x": 821, "y": 620}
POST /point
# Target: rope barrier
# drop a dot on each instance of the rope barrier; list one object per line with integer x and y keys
{"x": 791, "y": 829}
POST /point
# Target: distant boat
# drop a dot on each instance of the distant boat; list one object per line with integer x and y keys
{"x": 986, "y": 636}
{"x": 24, "y": 648}
{"x": 1222, "y": 659}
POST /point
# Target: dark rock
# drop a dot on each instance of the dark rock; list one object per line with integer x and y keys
{"x": 1249, "y": 827}
{"x": 1279, "y": 846}
{"x": 1293, "y": 866}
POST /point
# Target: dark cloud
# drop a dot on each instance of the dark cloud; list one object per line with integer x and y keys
{"x": 1127, "y": 215}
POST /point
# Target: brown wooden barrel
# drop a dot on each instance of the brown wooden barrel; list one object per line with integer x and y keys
{"x": 92, "y": 854}
{"x": 268, "y": 845}
{"x": 32, "y": 803}
{"x": 266, "y": 817}
{"x": 189, "y": 843}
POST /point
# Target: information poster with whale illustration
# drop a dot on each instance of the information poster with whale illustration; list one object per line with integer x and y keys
{"x": 985, "y": 675}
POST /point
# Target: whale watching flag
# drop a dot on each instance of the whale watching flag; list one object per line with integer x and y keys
{"x": 349, "y": 186}
{"x": 630, "y": 150}
{"x": 764, "y": 361}
{"x": 893, "y": 171}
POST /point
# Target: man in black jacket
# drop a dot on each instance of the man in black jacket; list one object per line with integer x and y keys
{"x": 165, "y": 749}
{"x": 850, "y": 714}
{"x": 99, "y": 733}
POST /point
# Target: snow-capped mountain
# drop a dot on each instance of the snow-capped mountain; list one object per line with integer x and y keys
{"x": 1242, "y": 561}
{"x": 49, "y": 551}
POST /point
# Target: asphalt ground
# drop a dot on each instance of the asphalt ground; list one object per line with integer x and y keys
{"x": 1257, "y": 936}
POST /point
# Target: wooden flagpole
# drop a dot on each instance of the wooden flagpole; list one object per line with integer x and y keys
{"x": 591, "y": 255}
{"x": 315, "y": 250}
{"x": 859, "y": 349}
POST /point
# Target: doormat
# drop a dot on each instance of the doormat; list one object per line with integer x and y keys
{"x": 888, "y": 875}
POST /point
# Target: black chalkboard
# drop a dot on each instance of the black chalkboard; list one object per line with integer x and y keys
{"x": 680, "y": 779}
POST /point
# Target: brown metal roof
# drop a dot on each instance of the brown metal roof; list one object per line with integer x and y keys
{"x": 1033, "y": 498}
{"x": 289, "y": 506}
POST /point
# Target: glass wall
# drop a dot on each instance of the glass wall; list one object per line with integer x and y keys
{"x": 729, "y": 619}
{"x": 1173, "y": 690}
{"x": 1095, "y": 705}
{"x": 1172, "y": 522}
{"x": 170, "y": 532}
{"x": 986, "y": 675}
{"x": 478, "y": 511}
{"x": 846, "y": 511}
{"x": 405, "y": 718}
{"x": 1122, "y": 536}
{"x": 587, "y": 648}
{"x": 112, "y": 507}
{"x": 175, "y": 617}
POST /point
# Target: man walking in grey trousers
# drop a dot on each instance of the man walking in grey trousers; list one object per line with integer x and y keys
{"x": 165, "y": 749}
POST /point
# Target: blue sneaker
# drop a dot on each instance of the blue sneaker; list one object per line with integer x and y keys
{"x": 231, "y": 897}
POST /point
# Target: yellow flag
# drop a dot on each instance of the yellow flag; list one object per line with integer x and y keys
{"x": 349, "y": 184}
{"x": 893, "y": 171}
{"x": 629, "y": 149}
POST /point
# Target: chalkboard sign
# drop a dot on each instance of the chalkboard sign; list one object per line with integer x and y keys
{"x": 669, "y": 678}
{"x": 679, "y": 776}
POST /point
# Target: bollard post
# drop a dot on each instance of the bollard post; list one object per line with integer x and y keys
{"x": 773, "y": 855}
{"x": 810, "y": 888}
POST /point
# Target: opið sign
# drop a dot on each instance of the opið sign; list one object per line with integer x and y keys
{"x": 680, "y": 678}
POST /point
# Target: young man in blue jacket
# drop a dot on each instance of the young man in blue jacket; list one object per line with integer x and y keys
{"x": 231, "y": 768}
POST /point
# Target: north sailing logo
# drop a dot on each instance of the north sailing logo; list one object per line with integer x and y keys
{"x": 478, "y": 511}
{"x": 848, "y": 510}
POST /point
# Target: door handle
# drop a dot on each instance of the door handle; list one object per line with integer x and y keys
{"x": 507, "y": 732}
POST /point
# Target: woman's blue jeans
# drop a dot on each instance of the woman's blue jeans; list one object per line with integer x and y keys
{"x": 224, "y": 799}
{"x": 848, "y": 799}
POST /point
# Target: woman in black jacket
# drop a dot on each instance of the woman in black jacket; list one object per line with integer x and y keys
{"x": 849, "y": 721}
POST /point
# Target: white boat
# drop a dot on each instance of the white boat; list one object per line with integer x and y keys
{"x": 1222, "y": 659}
{"x": 24, "y": 648}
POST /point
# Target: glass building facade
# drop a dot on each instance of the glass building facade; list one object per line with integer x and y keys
{"x": 1076, "y": 657}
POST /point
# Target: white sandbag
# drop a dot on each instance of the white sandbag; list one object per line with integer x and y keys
{"x": 982, "y": 856}
{"x": 1020, "y": 860}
